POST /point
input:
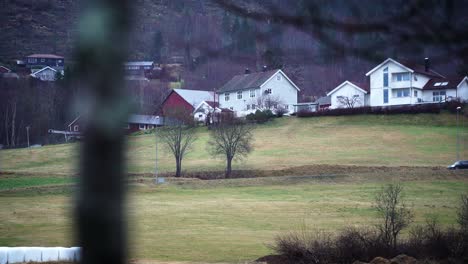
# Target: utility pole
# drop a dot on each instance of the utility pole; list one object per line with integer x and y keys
{"x": 156, "y": 161}
{"x": 27, "y": 134}
{"x": 458, "y": 134}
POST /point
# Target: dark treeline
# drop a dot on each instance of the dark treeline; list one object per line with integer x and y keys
{"x": 318, "y": 43}
{"x": 29, "y": 102}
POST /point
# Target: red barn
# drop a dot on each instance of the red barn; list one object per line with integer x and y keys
{"x": 186, "y": 99}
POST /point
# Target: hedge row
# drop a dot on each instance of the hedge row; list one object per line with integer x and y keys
{"x": 410, "y": 109}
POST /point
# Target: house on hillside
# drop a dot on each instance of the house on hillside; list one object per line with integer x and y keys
{"x": 349, "y": 95}
{"x": 403, "y": 83}
{"x": 245, "y": 93}
{"x": 39, "y": 61}
{"x": 186, "y": 99}
{"x": 135, "y": 123}
{"x": 205, "y": 110}
{"x": 4, "y": 69}
{"x": 143, "y": 122}
{"x": 138, "y": 70}
{"x": 46, "y": 74}
{"x": 396, "y": 83}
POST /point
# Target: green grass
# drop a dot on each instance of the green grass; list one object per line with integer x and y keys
{"x": 235, "y": 220}
{"x": 398, "y": 140}
{"x": 15, "y": 182}
{"x": 227, "y": 220}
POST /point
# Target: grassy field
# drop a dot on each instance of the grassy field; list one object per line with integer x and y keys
{"x": 223, "y": 220}
{"x": 402, "y": 140}
{"x": 235, "y": 220}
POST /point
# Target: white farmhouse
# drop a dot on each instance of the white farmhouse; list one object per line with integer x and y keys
{"x": 394, "y": 83}
{"x": 248, "y": 92}
{"x": 349, "y": 95}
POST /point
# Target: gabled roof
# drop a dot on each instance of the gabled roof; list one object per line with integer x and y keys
{"x": 361, "y": 88}
{"x": 444, "y": 83}
{"x": 251, "y": 81}
{"x": 210, "y": 104}
{"x": 47, "y": 56}
{"x": 139, "y": 63}
{"x": 194, "y": 97}
{"x": 145, "y": 119}
{"x": 411, "y": 67}
{"x": 4, "y": 69}
{"x": 43, "y": 69}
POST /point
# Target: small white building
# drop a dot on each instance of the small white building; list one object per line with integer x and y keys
{"x": 349, "y": 95}
{"x": 207, "y": 108}
{"x": 246, "y": 93}
{"x": 45, "y": 74}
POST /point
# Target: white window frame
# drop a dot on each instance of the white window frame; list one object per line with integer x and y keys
{"x": 439, "y": 96}
{"x": 252, "y": 93}
{"x": 140, "y": 126}
{"x": 253, "y": 106}
{"x": 268, "y": 91}
{"x": 76, "y": 128}
{"x": 226, "y": 97}
{"x": 400, "y": 93}
{"x": 239, "y": 95}
{"x": 278, "y": 77}
{"x": 248, "y": 107}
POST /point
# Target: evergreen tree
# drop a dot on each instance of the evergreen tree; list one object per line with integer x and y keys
{"x": 157, "y": 46}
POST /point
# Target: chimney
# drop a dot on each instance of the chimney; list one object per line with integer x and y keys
{"x": 427, "y": 64}
{"x": 247, "y": 71}
{"x": 264, "y": 69}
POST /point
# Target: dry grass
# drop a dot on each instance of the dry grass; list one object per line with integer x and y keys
{"x": 284, "y": 143}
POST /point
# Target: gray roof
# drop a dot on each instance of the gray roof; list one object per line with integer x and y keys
{"x": 324, "y": 100}
{"x": 195, "y": 97}
{"x": 247, "y": 81}
{"x": 145, "y": 119}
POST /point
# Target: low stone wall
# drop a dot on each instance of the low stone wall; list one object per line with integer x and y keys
{"x": 9, "y": 255}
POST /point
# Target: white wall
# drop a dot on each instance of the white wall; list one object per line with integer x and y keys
{"x": 463, "y": 91}
{"x": 349, "y": 91}
{"x": 428, "y": 94}
{"x": 282, "y": 89}
{"x": 376, "y": 86}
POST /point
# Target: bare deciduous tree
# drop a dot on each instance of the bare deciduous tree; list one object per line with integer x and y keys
{"x": 178, "y": 134}
{"x": 349, "y": 101}
{"x": 231, "y": 138}
{"x": 392, "y": 209}
{"x": 267, "y": 102}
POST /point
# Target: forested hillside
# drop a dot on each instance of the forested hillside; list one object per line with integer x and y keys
{"x": 213, "y": 42}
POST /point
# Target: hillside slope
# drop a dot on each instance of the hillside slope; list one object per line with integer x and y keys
{"x": 285, "y": 143}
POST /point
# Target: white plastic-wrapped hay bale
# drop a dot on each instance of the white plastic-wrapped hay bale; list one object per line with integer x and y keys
{"x": 16, "y": 255}
{"x": 33, "y": 254}
{"x": 66, "y": 254}
{"x": 77, "y": 253}
{"x": 3, "y": 255}
{"x": 50, "y": 254}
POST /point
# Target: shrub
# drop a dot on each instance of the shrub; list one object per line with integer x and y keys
{"x": 463, "y": 214}
{"x": 260, "y": 116}
{"x": 280, "y": 111}
{"x": 452, "y": 106}
{"x": 390, "y": 110}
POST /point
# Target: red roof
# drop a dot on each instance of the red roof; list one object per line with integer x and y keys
{"x": 443, "y": 83}
{"x": 47, "y": 56}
